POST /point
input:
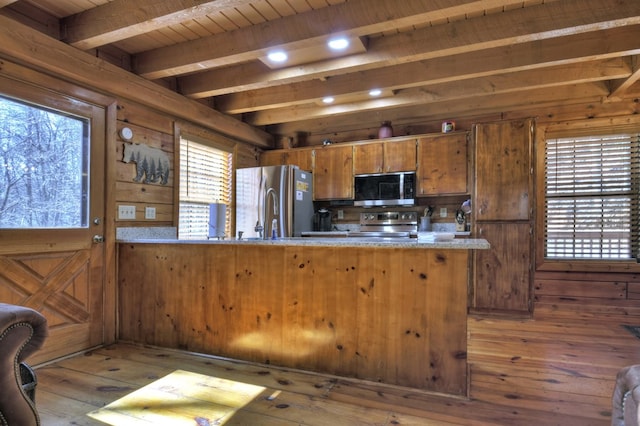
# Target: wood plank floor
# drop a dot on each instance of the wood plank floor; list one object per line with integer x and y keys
{"x": 543, "y": 371}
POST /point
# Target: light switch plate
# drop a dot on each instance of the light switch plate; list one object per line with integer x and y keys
{"x": 443, "y": 212}
{"x": 150, "y": 213}
{"x": 126, "y": 212}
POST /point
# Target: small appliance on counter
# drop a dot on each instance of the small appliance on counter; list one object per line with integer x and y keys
{"x": 322, "y": 221}
{"x": 273, "y": 202}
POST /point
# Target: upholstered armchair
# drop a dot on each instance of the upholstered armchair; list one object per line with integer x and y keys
{"x": 22, "y": 332}
{"x": 626, "y": 397}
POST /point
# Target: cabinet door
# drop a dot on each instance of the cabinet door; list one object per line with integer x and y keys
{"x": 442, "y": 164}
{"x": 399, "y": 156}
{"x": 503, "y": 170}
{"x": 368, "y": 158}
{"x": 333, "y": 173}
{"x": 503, "y": 272}
{"x": 272, "y": 158}
{"x": 300, "y": 157}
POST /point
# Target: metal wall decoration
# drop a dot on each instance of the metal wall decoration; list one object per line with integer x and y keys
{"x": 153, "y": 163}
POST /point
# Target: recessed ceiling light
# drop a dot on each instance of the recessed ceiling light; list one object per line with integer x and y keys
{"x": 375, "y": 92}
{"x": 338, "y": 43}
{"x": 277, "y": 56}
{"x": 328, "y": 100}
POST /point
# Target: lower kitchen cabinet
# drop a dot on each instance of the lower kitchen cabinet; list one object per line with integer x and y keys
{"x": 385, "y": 314}
{"x": 502, "y": 281}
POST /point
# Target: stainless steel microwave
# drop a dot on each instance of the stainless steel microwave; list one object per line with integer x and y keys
{"x": 385, "y": 189}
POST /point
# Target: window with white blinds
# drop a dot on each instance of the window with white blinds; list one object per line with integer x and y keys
{"x": 205, "y": 178}
{"x": 592, "y": 197}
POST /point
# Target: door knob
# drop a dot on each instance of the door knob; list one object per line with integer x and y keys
{"x": 98, "y": 239}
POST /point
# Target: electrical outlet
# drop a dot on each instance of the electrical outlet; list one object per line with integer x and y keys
{"x": 150, "y": 213}
{"x": 340, "y": 214}
{"x": 126, "y": 212}
{"x": 443, "y": 212}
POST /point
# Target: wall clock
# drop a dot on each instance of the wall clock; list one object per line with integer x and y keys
{"x": 126, "y": 133}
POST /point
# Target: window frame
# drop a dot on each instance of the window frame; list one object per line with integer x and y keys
{"x": 594, "y": 127}
{"x": 212, "y": 140}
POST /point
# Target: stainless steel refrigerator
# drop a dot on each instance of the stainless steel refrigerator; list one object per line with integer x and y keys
{"x": 273, "y": 198}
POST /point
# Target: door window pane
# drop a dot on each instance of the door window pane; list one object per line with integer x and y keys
{"x": 44, "y": 167}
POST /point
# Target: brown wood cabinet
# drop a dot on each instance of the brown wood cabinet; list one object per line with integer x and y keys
{"x": 272, "y": 158}
{"x": 333, "y": 173}
{"x": 302, "y": 158}
{"x": 384, "y": 157}
{"x": 503, "y": 273}
{"x": 443, "y": 164}
{"x": 503, "y": 170}
{"x": 391, "y": 315}
{"x": 502, "y": 215}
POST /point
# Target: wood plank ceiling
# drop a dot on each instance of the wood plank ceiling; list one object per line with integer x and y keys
{"x": 433, "y": 60}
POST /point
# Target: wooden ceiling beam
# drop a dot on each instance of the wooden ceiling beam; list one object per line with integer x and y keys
{"x": 450, "y": 109}
{"x": 572, "y": 75}
{"x": 121, "y": 19}
{"x": 616, "y": 42}
{"x": 27, "y": 46}
{"x": 355, "y": 18}
{"x": 620, "y": 87}
{"x": 501, "y": 30}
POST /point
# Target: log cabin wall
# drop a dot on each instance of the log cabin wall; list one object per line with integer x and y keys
{"x": 564, "y": 291}
{"x": 581, "y": 289}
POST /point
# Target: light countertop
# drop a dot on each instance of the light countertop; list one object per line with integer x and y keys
{"x": 456, "y": 243}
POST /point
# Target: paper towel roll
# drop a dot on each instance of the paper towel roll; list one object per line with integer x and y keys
{"x": 217, "y": 220}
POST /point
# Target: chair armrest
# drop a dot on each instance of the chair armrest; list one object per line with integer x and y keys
{"x": 626, "y": 397}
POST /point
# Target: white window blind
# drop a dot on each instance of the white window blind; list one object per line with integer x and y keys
{"x": 205, "y": 178}
{"x": 592, "y": 197}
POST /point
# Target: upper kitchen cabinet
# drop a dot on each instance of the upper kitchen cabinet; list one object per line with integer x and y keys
{"x": 302, "y": 158}
{"x": 272, "y": 158}
{"x": 333, "y": 173}
{"x": 384, "y": 157}
{"x": 503, "y": 170}
{"x": 443, "y": 164}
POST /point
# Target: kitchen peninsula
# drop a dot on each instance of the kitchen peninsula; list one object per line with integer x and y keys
{"x": 391, "y": 311}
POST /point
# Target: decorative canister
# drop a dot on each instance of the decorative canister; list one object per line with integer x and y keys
{"x": 448, "y": 126}
{"x": 385, "y": 131}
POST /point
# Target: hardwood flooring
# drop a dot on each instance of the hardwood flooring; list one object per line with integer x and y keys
{"x": 542, "y": 371}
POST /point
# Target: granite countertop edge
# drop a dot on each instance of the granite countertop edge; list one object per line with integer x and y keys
{"x": 456, "y": 243}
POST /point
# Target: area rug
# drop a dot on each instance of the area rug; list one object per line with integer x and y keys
{"x": 633, "y": 329}
{"x": 180, "y": 398}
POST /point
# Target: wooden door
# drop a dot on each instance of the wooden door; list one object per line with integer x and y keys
{"x": 333, "y": 173}
{"x": 400, "y": 156}
{"x": 60, "y": 271}
{"x": 299, "y": 157}
{"x": 443, "y": 164}
{"x": 503, "y": 170}
{"x": 503, "y": 272}
{"x": 368, "y": 158}
{"x": 272, "y": 158}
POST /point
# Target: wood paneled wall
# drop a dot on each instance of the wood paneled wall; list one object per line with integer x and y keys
{"x": 155, "y": 130}
{"x": 158, "y": 130}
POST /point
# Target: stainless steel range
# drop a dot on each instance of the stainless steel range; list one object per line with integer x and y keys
{"x": 387, "y": 224}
